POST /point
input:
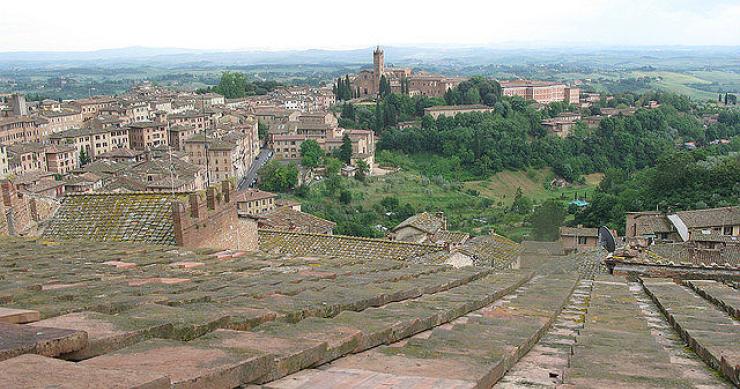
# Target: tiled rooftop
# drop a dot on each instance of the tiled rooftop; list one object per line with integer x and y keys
{"x": 134, "y": 217}
{"x": 131, "y": 315}
{"x": 296, "y": 243}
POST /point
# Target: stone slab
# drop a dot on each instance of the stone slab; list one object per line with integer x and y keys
{"x": 106, "y": 333}
{"x": 17, "y": 339}
{"x": 356, "y": 378}
{"x": 187, "y": 365}
{"x": 18, "y": 316}
{"x": 289, "y": 354}
{"x": 35, "y": 371}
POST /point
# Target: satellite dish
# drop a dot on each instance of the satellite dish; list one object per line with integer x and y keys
{"x": 606, "y": 239}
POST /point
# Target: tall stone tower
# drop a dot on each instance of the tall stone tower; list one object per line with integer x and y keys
{"x": 378, "y": 67}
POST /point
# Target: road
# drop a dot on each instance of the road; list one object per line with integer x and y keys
{"x": 257, "y": 164}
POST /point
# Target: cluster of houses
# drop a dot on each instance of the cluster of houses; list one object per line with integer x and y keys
{"x": 160, "y": 140}
{"x": 707, "y": 230}
{"x": 288, "y": 129}
{"x": 148, "y": 139}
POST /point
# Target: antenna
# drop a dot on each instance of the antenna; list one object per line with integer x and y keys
{"x": 606, "y": 239}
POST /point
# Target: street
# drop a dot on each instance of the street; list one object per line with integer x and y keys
{"x": 261, "y": 160}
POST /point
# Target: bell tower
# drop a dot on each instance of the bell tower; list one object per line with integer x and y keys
{"x": 378, "y": 66}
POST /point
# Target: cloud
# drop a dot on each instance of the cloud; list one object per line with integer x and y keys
{"x": 335, "y": 24}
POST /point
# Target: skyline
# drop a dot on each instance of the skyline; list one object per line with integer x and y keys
{"x": 82, "y": 25}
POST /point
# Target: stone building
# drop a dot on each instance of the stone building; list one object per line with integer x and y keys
{"x": 254, "y": 201}
{"x": 219, "y": 157}
{"x": 22, "y": 129}
{"x": 453, "y": 110}
{"x": 367, "y": 82}
{"x": 543, "y": 92}
{"x": 92, "y": 106}
{"x": 94, "y": 141}
{"x": 60, "y": 159}
{"x": 4, "y": 168}
{"x": 578, "y": 238}
{"x": 427, "y": 228}
{"x": 684, "y": 225}
{"x": 146, "y": 135}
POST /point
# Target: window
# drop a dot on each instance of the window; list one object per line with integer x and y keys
{"x": 727, "y": 230}
{"x": 582, "y": 240}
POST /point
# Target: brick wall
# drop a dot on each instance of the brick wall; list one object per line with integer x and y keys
{"x": 26, "y": 210}
{"x": 211, "y": 220}
{"x": 18, "y": 206}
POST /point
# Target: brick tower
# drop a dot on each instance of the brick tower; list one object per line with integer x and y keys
{"x": 378, "y": 67}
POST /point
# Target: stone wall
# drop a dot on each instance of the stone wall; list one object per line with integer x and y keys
{"x": 17, "y": 208}
{"x": 212, "y": 221}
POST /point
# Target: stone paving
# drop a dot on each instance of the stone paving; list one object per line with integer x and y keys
{"x": 708, "y": 330}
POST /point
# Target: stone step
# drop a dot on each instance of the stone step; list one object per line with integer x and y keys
{"x": 709, "y": 331}
{"x": 476, "y": 348}
{"x": 188, "y": 365}
{"x": 723, "y": 296}
{"x": 18, "y": 339}
{"x": 288, "y": 355}
{"x": 356, "y": 378}
{"x": 18, "y": 316}
{"x": 36, "y": 372}
{"x": 106, "y": 333}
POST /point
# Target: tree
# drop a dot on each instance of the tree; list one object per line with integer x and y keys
{"x": 311, "y": 154}
{"x": 333, "y": 166}
{"x": 379, "y": 125}
{"x": 362, "y": 170}
{"x": 262, "y": 130}
{"x": 521, "y": 205}
{"x": 345, "y": 197}
{"x": 345, "y": 150}
{"x": 384, "y": 89}
{"x": 546, "y": 221}
{"x": 277, "y": 177}
{"x": 84, "y": 157}
{"x": 232, "y": 85}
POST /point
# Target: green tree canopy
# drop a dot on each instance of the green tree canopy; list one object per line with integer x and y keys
{"x": 278, "y": 177}
{"x": 547, "y": 219}
{"x": 345, "y": 150}
{"x": 311, "y": 153}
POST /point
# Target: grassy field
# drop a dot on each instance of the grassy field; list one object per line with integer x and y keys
{"x": 686, "y": 83}
{"x": 474, "y": 207}
{"x": 502, "y": 186}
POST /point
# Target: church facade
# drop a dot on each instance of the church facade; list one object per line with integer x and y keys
{"x": 367, "y": 82}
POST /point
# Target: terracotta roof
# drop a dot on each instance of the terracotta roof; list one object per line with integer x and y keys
{"x": 255, "y": 194}
{"x": 288, "y": 219}
{"x": 711, "y": 217}
{"x": 424, "y": 221}
{"x": 117, "y": 217}
{"x": 579, "y": 231}
{"x": 296, "y": 243}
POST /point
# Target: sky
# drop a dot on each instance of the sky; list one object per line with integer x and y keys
{"x": 83, "y": 25}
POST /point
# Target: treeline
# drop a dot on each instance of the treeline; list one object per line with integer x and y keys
{"x": 679, "y": 181}
{"x": 476, "y": 90}
{"x": 513, "y": 138}
{"x": 234, "y": 85}
{"x": 387, "y": 112}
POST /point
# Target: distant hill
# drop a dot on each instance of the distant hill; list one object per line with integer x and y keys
{"x": 614, "y": 56}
